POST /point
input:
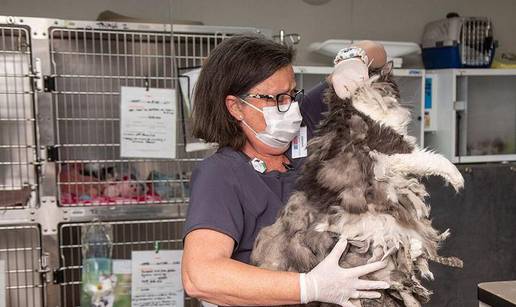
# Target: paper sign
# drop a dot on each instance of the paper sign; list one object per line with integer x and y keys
{"x": 147, "y": 123}
{"x": 2, "y": 283}
{"x": 156, "y": 279}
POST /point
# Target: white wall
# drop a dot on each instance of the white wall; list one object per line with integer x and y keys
{"x": 401, "y": 20}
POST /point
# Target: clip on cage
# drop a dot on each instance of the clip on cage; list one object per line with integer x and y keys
{"x": 156, "y": 246}
{"x": 147, "y": 84}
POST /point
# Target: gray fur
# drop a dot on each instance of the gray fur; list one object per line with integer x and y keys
{"x": 337, "y": 183}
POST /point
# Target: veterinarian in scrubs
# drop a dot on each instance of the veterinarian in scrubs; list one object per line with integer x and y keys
{"x": 246, "y": 100}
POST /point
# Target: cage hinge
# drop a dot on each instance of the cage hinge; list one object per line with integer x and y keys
{"x": 49, "y": 83}
{"x": 37, "y": 75}
{"x": 459, "y": 105}
{"x": 58, "y": 275}
{"x": 52, "y": 153}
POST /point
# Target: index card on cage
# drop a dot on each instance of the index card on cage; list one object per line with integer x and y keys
{"x": 148, "y": 123}
{"x": 156, "y": 278}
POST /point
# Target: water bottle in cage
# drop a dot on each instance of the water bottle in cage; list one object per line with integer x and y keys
{"x": 98, "y": 281}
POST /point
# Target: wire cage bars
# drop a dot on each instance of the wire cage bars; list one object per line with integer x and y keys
{"x": 20, "y": 254}
{"x": 65, "y": 133}
{"x": 128, "y": 236}
{"x": 89, "y": 67}
{"x": 17, "y": 120}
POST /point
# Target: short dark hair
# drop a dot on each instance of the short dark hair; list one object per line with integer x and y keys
{"x": 234, "y": 67}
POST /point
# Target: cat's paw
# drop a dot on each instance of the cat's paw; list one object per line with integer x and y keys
{"x": 454, "y": 177}
{"x": 426, "y": 274}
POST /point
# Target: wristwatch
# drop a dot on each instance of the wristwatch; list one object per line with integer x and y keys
{"x": 351, "y": 52}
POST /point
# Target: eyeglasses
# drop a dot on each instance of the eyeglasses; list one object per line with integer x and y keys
{"x": 283, "y": 100}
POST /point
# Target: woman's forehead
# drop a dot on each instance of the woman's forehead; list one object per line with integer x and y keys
{"x": 281, "y": 81}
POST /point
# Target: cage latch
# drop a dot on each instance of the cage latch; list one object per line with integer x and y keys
{"x": 52, "y": 153}
{"x": 49, "y": 83}
{"x": 44, "y": 268}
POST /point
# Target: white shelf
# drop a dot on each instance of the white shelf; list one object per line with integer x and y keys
{"x": 486, "y": 158}
{"x": 326, "y": 70}
{"x": 477, "y": 71}
{"x": 408, "y": 72}
{"x": 313, "y": 70}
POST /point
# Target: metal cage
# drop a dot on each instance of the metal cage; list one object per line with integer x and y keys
{"x": 90, "y": 66}
{"x": 128, "y": 236}
{"x": 17, "y": 117}
{"x": 60, "y": 86}
{"x": 20, "y": 254}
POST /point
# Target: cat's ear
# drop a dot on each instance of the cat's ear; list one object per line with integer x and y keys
{"x": 387, "y": 69}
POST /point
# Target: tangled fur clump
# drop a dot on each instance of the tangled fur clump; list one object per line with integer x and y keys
{"x": 361, "y": 181}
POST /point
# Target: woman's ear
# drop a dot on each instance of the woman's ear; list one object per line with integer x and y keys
{"x": 234, "y": 107}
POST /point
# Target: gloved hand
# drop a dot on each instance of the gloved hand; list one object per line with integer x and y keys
{"x": 348, "y": 75}
{"x": 330, "y": 283}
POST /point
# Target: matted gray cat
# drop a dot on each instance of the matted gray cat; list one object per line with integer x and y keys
{"x": 361, "y": 181}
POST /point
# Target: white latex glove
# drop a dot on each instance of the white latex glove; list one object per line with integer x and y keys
{"x": 348, "y": 75}
{"x": 330, "y": 283}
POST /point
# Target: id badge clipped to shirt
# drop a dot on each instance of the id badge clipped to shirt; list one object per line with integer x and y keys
{"x": 299, "y": 144}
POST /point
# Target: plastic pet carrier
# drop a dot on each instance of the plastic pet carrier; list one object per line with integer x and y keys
{"x": 458, "y": 42}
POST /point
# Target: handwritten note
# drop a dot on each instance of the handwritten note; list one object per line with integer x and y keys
{"x": 156, "y": 279}
{"x": 148, "y": 123}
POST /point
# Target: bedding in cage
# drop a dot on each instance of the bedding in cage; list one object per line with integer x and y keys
{"x": 120, "y": 183}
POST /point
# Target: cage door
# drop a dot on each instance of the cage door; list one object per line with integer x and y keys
{"x": 18, "y": 145}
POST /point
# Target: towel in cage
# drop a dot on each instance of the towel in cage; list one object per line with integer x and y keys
{"x": 91, "y": 183}
{"x": 458, "y": 42}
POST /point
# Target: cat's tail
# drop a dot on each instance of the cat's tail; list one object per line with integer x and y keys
{"x": 448, "y": 261}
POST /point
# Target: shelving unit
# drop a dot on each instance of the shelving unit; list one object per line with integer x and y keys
{"x": 474, "y": 112}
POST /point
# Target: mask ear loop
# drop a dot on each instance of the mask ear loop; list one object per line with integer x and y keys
{"x": 247, "y": 125}
{"x": 249, "y": 104}
{"x": 242, "y": 118}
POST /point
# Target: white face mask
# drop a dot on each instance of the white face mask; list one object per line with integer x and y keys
{"x": 282, "y": 127}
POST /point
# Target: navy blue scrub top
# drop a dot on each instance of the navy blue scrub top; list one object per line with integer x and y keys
{"x": 229, "y": 196}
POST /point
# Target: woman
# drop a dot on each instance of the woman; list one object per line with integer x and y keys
{"x": 246, "y": 101}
